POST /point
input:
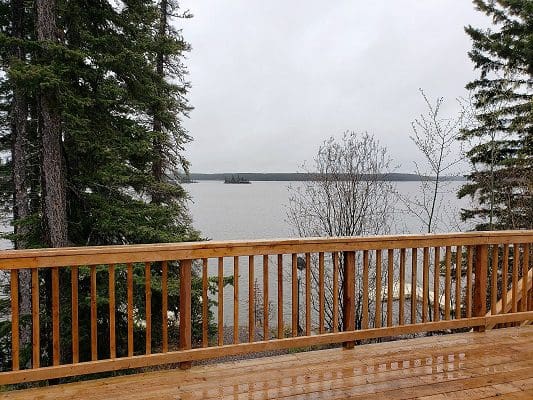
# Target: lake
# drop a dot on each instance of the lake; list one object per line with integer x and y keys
{"x": 258, "y": 211}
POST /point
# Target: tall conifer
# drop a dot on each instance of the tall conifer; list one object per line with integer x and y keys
{"x": 501, "y": 155}
{"x": 105, "y": 93}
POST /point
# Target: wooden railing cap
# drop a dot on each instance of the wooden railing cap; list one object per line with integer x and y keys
{"x": 194, "y": 250}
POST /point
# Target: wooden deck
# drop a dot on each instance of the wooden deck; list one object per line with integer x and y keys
{"x": 497, "y": 363}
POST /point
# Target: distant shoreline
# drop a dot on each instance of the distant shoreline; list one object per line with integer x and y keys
{"x": 299, "y": 177}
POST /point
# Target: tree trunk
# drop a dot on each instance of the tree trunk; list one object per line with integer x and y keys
{"x": 19, "y": 156}
{"x": 53, "y": 170}
{"x": 159, "y": 156}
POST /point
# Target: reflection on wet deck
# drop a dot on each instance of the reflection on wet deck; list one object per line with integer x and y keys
{"x": 497, "y": 363}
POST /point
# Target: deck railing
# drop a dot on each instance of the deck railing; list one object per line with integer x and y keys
{"x": 353, "y": 289}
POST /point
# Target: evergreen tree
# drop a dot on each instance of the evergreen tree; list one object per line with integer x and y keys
{"x": 501, "y": 155}
{"x": 122, "y": 88}
{"x": 118, "y": 86}
{"x": 170, "y": 103}
{"x": 104, "y": 92}
{"x": 54, "y": 197}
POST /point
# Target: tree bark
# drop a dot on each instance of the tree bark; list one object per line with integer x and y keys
{"x": 19, "y": 156}
{"x": 53, "y": 169}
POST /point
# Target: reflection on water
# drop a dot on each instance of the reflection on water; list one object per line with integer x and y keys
{"x": 351, "y": 376}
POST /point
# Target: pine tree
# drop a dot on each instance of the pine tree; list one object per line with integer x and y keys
{"x": 52, "y": 157}
{"x": 117, "y": 84}
{"x": 116, "y": 175}
{"x": 19, "y": 153}
{"x": 103, "y": 130}
{"x": 501, "y": 155}
{"x": 170, "y": 103}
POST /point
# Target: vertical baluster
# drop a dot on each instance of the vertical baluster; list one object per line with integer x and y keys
{"x": 529, "y": 300}
{"x": 94, "y": 316}
{"x": 55, "y": 316}
{"x": 414, "y": 292}
{"x": 348, "y": 292}
{"x": 205, "y": 304}
{"x": 36, "y": 345}
{"x": 447, "y": 287}
{"x": 525, "y": 283}
{"x": 148, "y": 305}
{"x": 321, "y": 293}
{"x": 164, "y": 305}
{"x": 335, "y": 291}
{"x": 185, "y": 309}
{"x": 15, "y": 340}
{"x": 494, "y": 280}
{"x": 436, "y": 285}
{"x": 516, "y": 259}
{"x": 401, "y": 306}
{"x": 130, "y": 309}
{"x": 251, "y": 300}
{"x": 364, "y": 320}
{"x": 307, "y": 294}
{"x": 280, "y": 296}
{"x": 74, "y": 314}
{"x": 480, "y": 288}
{"x": 220, "y": 305}
{"x": 235, "y": 299}
{"x": 377, "y": 321}
{"x": 505, "y": 269}
{"x": 295, "y": 295}
{"x": 425, "y": 285}
{"x": 112, "y": 330}
{"x": 390, "y": 285}
{"x": 266, "y": 334}
{"x": 469, "y": 262}
{"x": 458, "y": 267}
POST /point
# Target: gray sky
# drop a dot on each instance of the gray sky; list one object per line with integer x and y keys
{"x": 273, "y": 79}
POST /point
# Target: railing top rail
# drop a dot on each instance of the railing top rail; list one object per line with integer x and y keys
{"x": 90, "y": 255}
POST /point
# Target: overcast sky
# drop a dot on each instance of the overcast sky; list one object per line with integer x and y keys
{"x": 272, "y": 79}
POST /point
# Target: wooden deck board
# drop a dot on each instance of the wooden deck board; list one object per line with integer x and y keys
{"x": 497, "y": 363}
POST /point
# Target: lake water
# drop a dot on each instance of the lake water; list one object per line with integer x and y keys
{"x": 258, "y": 211}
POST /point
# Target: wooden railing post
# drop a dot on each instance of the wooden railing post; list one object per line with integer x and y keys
{"x": 185, "y": 309}
{"x": 348, "y": 295}
{"x": 480, "y": 283}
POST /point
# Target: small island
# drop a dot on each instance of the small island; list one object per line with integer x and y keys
{"x": 236, "y": 179}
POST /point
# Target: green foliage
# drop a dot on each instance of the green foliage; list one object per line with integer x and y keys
{"x": 103, "y": 73}
{"x": 502, "y": 140}
{"x": 102, "y": 69}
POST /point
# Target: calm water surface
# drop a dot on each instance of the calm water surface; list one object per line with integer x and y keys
{"x": 258, "y": 211}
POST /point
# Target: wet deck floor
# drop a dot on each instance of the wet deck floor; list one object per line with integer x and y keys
{"x": 496, "y": 363}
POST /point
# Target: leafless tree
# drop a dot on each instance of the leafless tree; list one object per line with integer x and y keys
{"x": 436, "y": 137}
{"x": 345, "y": 195}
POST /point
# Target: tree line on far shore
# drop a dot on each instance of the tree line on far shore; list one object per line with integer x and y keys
{"x": 304, "y": 176}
